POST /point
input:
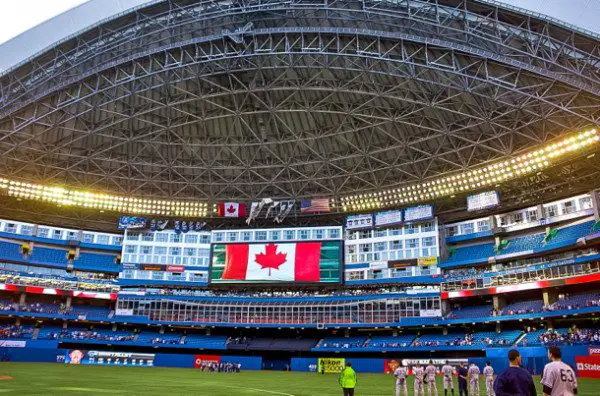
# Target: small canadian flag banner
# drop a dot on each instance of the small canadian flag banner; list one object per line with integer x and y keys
{"x": 231, "y": 209}
{"x": 298, "y": 262}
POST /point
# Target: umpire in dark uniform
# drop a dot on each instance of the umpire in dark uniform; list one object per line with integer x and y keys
{"x": 462, "y": 380}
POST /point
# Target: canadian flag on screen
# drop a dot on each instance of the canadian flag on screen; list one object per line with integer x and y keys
{"x": 231, "y": 209}
{"x": 279, "y": 262}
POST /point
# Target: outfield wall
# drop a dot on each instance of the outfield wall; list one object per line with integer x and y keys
{"x": 534, "y": 358}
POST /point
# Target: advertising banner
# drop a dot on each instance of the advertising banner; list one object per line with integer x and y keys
{"x": 12, "y": 344}
{"x": 427, "y": 261}
{"x": 484, "y": 200}
{"x": 107, "y": 358}
{"x": 331, "y": 365}
{"x": 390, "y": 365}
{"x": 357, "y": 222}
{"x": 594, "y": 351}
{"x": 132, "y": 222}
{"x": 203, "y": 361}
{"x": 378, "y": 264}
{"x": 588, "y": 366}
{"x": 389, "y": 217}
{"x": 402, "y": 263}
{"x": 124, "y": 312}
{"x": 175, "y": 268}
{"x": 416, "y": 213}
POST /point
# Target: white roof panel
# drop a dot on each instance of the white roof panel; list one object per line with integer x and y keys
{"x": 581, "y": 14}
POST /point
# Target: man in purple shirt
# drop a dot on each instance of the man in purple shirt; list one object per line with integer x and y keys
{"x": 514, "y": 381}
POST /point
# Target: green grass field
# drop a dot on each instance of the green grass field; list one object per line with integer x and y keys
{"x": 57, "y": 379}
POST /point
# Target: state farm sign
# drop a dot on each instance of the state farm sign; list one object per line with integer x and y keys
{"x": 588, "y": 366}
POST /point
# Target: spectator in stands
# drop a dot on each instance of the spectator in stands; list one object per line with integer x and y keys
{"x": 514, "y": 381}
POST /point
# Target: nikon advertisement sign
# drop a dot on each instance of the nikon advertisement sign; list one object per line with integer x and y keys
{"x": 331, "y": 365}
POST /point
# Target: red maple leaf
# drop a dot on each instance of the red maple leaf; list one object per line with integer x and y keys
{"x": 270, "y": 258}
{"x": 231, "y": 209}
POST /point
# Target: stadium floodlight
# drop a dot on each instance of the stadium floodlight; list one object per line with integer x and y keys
{"x": 493, "y": 174}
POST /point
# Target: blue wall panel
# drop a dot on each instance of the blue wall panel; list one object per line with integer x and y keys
{"x": 44, "y": 355}
{"x": 247, "y": 362}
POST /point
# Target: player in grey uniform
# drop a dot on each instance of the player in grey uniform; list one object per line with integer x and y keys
{"x": 431, "y": 371}
{"x": 419, "y": 373}
{"x": 401, "y": 383}
{"x": 488, "y": 373}
{"x": 474, "y": 379}
{"x": 558, "y": 378}
{"x": 447, "y": 372}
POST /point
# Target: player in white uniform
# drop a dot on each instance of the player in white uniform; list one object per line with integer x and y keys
{"x": 431, "y": 371}
{"x": 559, "y": 378}
{"x": 488, "y": 373}
{"x": 447, "y": 372}
{"x": 401, "y": 383}
{"x": 474, "y": 379}
{"x": 419, "y": 373}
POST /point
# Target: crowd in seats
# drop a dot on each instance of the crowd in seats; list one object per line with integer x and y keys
{"x": 278, "y": 293}
{"x": 520, "y": 308}
{"x": 342, "y": 342}
{"x": 96, "y": 335}
{"x": 570, "y": 337}
{"x": 496, "y": 339}
{"x": 205, "y": 341}
{"x": 34, "y": 307}
{"x": 577, "y": 301}
{"x": 160, "y": 339}
{"x": 465, "y": 272}
{"x": 401, "y": 341}
{"x": 12, "y": 331}
{"x": 444, "y": 340}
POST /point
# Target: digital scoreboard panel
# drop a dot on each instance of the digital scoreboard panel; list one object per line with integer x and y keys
{"x": 277, "y": 262}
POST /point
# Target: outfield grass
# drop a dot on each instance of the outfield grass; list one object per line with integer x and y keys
{"x": 57, "y": 379}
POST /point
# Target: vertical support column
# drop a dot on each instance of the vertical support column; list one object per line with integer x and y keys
{"x": 114, "y": 327}
{"x": 64, "y": 325}
{"x": 445, "y": 305}
{"x": 22, "y": 298}
{"x": 498, "y": 327}
{"x": 498, "y": 302}
{"x": 445, "y": 331}
{"x": 540, "y": 211}
{"x": 493, "y": 222}
{"x": 549, "y": 297}
{"x": 68, "y": 302}
{"x": 18, "y": 322}
{"x": 442, "y": 242}
{"x": 596, "y": 204}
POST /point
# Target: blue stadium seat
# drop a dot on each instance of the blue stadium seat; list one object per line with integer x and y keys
{"x": 471, "y": 312}
{"x": 95, "y": 261}
{"x": 523, "y": 244}
{"x": 473, "y": 253}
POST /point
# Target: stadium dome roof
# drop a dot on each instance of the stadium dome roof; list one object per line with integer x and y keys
{"x": 197, "y": 100}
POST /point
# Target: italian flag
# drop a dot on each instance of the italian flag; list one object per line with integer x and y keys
{"x": 299, "y": 262}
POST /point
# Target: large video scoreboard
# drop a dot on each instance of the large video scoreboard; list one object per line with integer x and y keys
{"x": 290, "y": 255}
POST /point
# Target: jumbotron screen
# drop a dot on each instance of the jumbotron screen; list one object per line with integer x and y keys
{"x": 275, "y": 262}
